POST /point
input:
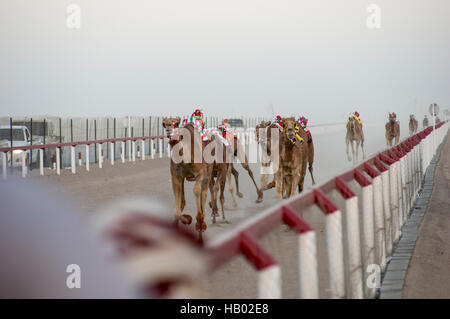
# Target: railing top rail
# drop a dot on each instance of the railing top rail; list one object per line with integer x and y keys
{"x": 102, "y": 141}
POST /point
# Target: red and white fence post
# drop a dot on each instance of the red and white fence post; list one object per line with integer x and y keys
{"x": 309, "y": 282}
{"x": 122, "y": 151}
{"x": 100, "y": 157}
{"x": 41, "y": 161}
{"x": 152, "y": 149}
{"x": 133, "y": 151}
{"x": 143, "y": 149}
{"x": 111, "y": 145}
{"x": 354, "y": 271}
{"x": 87, "y": 157}
{"x": 24, "y": 164}
{"x": 335, "y": 249}
{"x": 269, "y": 273}
{"x": 368, "y": 226}
{"x": 4, "y": 165}
{"x": 72, "y": 159}
{"x": 58, "y": 160}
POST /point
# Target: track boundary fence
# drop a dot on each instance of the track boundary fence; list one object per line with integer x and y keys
{"x": 389, "y": 183}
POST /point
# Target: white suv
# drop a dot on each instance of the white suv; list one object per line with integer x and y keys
{"x": 21, "y": 137}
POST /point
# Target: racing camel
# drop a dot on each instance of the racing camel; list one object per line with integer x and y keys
{"x": 293, "y": 160}
{"x": 355, "y": 135}
{"x": 392, "y": 129}
{"x": 413, "y": 125}
{"x": 189, "y": 169}
{"x": 263, "y": 137}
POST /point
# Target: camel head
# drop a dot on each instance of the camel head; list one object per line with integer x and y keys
{"x": 289, "y": 128}
{"x": 392, "y": 117}
{"x": 171, "y": 124}
{"x": 351, "y": 123}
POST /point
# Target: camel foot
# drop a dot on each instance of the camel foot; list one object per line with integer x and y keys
{"x": 234, "y": 204}
{"x": 200, "y": 226}
{"x": 225, "y": 221}
{"x": 259, "y": 199}
{"x": 240, "y": 195}
{"x": 186, "y": 219}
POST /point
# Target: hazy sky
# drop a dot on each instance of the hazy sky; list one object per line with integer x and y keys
{"x": 230, "y": 57}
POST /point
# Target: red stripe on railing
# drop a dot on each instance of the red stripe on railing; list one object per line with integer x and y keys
{"x": 323, "y": 202}
{"x": 379, "y": 165}
{"x": 346, "y": 192}
{"x": 361, "y": 179}
{"x": 253, "y": 251}
{"x": 294, "y": 221}
{"x": 370, "y": 170}
{"x": 386, "y": 159}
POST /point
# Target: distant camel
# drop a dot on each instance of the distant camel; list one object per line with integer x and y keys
{"x": 392, "y": 130}
{"x": 413, "y": 125}
{"x": 354, "y": 134}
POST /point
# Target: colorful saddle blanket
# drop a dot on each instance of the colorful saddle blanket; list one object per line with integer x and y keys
{"x": 198, "y": 124}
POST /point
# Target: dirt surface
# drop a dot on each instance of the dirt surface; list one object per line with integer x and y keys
{"x": 151, "y": 178}
{"x": 428, "y": 275}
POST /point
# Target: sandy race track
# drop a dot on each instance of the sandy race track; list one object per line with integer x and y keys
{"x": 151, "y": 178}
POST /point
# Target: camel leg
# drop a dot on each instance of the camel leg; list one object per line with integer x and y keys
{"x": 295, "y": 182}
{"x": 177, "y": 186}
{"x": 250, "y": 173}
{"x": 353, "y": 150}
{"x": 183, "y": 199}
{"x": 236, "y": 180}
{"x": 310, "y": 168}
{"x": 356, "y": 151}
{"x": 213, "y": 201}
{"x": 270, "y": 185}
{"x": 260, "y": 193}
{"x": 222, "y": 197}
{"x": 302, "y": 177}
{"x": 311, "y": 161}
{"x": 347, "y": 141}
{"x": 200, "y": 225}
{"x": 230, "y": 185}
{"x": 279, "y": 184}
